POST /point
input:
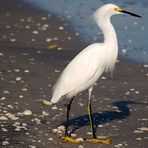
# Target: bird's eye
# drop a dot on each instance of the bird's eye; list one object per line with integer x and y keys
{"x": 118, "y": 9}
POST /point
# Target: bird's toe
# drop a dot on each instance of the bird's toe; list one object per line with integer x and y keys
{"x": 99, "y": 141}
{"x": 71, "y": 140}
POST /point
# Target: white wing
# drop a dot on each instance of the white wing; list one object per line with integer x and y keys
{"x": 79, "y": 71}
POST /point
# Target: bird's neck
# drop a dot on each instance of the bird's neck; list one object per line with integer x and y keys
{"x": 108, "y": 30}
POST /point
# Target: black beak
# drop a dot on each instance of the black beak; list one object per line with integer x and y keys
{"x": 132, "y": 14}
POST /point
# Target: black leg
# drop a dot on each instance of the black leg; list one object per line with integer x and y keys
{"x": 67, "y": 117}
{"x": 90, "y": 112}
{"x": 91, "y": 117}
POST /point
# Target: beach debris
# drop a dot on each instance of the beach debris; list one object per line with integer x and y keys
{"x": 57, "y": 71}
{"x": 138, "y": 131}
{"x": 137, "y": 92}
{"x": 48, "y": 40}
{"x": 26, "y": 71}
{"x": 55, "y": 131}
{"x": 24, "y": 89}
{"x": 118, "y": 145}
{"x": 59, "y": 133}
{"x": 13, "y": 40}
{"x": 43, "y": 18}
{"x": 61, "y": 28}
{"x": 27, "y": 27}
{"x": 50, "y": 139}
{"x": 1, "y": 54}
{"x": 3, "y": 118}
{"x": 77, "y": 33}
{"x": 80, "y": 139}
{"x": 32, "y": 146}
{"x": 18, "y": 79}
{"x": 4, "y": 129}
{"x": 61, "y": 128}
{"x": 54, "y": 107}
{"x": 146, "y": 66}
{"x": 6, "y": 92}
{"x": 45, "y": 113}
{"x": 139, "y": 138}
{"x": 89, "y": 133}
{"x": 53, "y": 46}
{"x": 27, "y": 112}
{"x": 124, "y": 50}
{"x": 73, "y": 135}
{"x": 21, "y": 96}
{"x": 37, "y": 120}
{"x": 80, "y": 146}
{"x": 103, "y": 78}
{"x": 35, "y": 32}
{"x": 5, "y": 143}
{"x": 2, "y": 98}
{"x": 17, "y": 70}
{"x": 11, "y": 116}
{"x": 144, "y": 129}
{"x": 46, "y": 103}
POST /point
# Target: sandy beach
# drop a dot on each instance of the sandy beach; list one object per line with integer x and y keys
{"x": 35, "y": 46}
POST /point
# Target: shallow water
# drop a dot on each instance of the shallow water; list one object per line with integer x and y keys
{"x": 132, "y": 32}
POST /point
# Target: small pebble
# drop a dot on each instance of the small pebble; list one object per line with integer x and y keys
{"x": 11, "y": 116}
{"x": 18, "y": 78}
{"x": 55, "y": 130}
{"x": 5, "y": 142}
{"x": 50, "y": 139}
{"x": 13, "y": 40}
{"x": 32, "y": 146}
{"x": 16, "y": 70}
{"x": 146, "y": 66}
{"x": 48, "y": 40}
{"x": 89, "y": 133}
{"x": 1, "y": 54}
{"x": 80, "y": 139}
{"x": 61, "y": 28}
{"x": 59, "y": 133}
{"x": 54, "y": 107}
{"x": 138, "y": 131}
{"x": 27, "y": 112}
{"x": 35, "y": 32}
{"x": 54, "y": 46}
{"x": 73, "y": 135}
{"x": 139, "y": 139}
{"x": 80, "y": 146}
{"x": 3, "y": 118}
{"x": 45, "y": 113}
{"x": 2, "y": 98}
{"x": 61, "y": 128}
{"x": 143, "y": 129}
{"x": 37, "y": 120}
{"x": 26, "y": 71}
{"x": 4, "y": 129}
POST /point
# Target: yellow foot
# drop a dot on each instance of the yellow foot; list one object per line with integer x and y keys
{"x": 97, "y": 141}
{"x": 69, "y": 139}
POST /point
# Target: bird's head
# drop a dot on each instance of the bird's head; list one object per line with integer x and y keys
{"x": 108, "y": 10}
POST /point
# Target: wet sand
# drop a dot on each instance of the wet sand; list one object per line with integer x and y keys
{"x": 28, "y": 70}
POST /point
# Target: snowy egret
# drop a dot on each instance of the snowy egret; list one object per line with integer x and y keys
{"x": 86, "y": 68}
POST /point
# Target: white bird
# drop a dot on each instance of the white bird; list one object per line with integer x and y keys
{"x": 87, "y": 67}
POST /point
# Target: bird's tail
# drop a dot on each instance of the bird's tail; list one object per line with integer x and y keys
{"x": 55, "y": 99}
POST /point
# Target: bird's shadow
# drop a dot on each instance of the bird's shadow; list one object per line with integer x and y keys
{"x": 122, "y": 112}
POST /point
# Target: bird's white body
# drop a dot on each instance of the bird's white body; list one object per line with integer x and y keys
{"x": 87, "y": 67}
